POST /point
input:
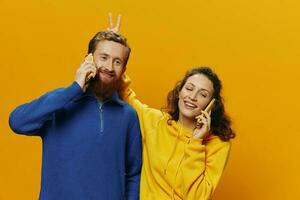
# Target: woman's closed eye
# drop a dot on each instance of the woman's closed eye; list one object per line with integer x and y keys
{"x": 189, "y": 88}
{"x": 203, "y": 94}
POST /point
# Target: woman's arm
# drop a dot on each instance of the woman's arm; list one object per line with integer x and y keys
{"x": 148, "y": 117}
{"x": 203, "y": 166}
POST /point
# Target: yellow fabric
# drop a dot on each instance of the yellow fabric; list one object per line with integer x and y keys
{"x": 175, "y": 166}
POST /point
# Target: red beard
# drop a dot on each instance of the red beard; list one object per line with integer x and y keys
{"x": 102, "y": 89}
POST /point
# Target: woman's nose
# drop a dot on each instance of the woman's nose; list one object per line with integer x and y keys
{"x": 193, "y": 96}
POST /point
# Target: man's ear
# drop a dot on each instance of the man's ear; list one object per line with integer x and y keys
{"x": 123, "y": 70}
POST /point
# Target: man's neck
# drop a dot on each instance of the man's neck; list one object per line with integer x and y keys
{"x": 102, "y": 95}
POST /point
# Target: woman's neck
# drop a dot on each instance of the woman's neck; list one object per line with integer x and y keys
{"x": 186, "y": 123}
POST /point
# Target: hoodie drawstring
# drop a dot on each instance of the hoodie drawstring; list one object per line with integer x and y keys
{"x": 177, "y": 170}
{"x": 173, "y": 150}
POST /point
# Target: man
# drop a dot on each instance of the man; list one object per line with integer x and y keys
{"x": 91, "y": 138}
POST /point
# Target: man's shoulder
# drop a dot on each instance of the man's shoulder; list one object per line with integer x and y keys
{"x": 129, "y": 109}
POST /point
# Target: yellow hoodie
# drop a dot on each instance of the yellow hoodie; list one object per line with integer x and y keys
{"x": 175, "y": 165}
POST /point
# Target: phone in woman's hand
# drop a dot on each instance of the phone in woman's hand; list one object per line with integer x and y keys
{"x": 210, "y": 105}
{"x": 207, "y": 109}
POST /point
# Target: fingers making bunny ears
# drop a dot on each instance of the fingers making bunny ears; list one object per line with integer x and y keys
{"x": 111, "y": 27}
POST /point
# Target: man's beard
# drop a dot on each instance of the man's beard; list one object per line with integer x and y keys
{"x": 103, "y": 90}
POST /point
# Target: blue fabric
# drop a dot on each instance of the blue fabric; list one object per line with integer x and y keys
{"x": 88, "y": 154}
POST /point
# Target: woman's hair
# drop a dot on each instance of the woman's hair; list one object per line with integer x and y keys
{"x": 110, "y": 36}
{"x": 220, "y": 122}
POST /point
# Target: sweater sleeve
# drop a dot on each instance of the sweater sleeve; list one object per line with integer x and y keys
{"x": 202, "y": 167}
{"x": 133, "y": 161}
{"x": 148, "y": 117}
{"x": 29, "y": 118}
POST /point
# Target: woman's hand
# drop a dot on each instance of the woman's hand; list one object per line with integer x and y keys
{"x": 203, "y": 125}
{"x": 111, "y": 25}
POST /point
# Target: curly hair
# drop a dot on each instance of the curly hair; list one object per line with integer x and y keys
{"x": 110, "y": 36}
{"x": 220, "y": 121}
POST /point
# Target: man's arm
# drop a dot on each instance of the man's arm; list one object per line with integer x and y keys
{"x": 29, "y": 118}
{"x": 133, "y": 161}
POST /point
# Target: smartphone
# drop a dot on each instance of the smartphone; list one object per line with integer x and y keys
{"x": 210, "y": 105}
{"x": 89, "y": 58}
{"x": 207, "y": 109}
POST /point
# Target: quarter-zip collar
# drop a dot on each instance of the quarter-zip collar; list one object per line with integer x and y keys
{"x": 114, "y": 98}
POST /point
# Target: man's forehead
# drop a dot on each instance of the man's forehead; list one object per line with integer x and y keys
{"x": 111, "y": 48}
{"x": 110, "y": 44}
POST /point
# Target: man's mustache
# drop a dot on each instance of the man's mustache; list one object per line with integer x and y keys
{"x": 106, "y": 71}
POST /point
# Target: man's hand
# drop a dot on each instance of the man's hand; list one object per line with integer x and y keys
{"x": 111, "y": 25}
{"x": 85, "y": 72}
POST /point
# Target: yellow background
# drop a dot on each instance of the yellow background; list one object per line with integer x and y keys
{"x": 254, "y": 46}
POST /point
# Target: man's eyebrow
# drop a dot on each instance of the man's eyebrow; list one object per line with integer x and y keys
{"x": 107, "y": 55}
{"x": 103, "y": 54}
{"x": 119, "y": 58}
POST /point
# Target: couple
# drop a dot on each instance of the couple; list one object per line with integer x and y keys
{"x": 93, "y": 140}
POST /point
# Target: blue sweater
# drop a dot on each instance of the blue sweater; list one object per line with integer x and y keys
{"x": 90, "y": 152}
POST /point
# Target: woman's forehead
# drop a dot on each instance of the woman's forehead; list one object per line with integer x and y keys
{"x": 200, "y": 81}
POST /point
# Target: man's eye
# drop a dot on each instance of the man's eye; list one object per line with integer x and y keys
{"x": 188, "y": 88}
{"x": 103, "y": 57}
{"x": 118, "y": 62}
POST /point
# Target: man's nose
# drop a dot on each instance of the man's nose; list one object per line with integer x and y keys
{"x": 109, "y": 65}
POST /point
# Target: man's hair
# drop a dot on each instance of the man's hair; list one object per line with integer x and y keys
{"x": 110, "y": 36}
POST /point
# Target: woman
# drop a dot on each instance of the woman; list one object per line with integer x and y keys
{"x": 185, "y": 149}
{"x": 182, "y": 160}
